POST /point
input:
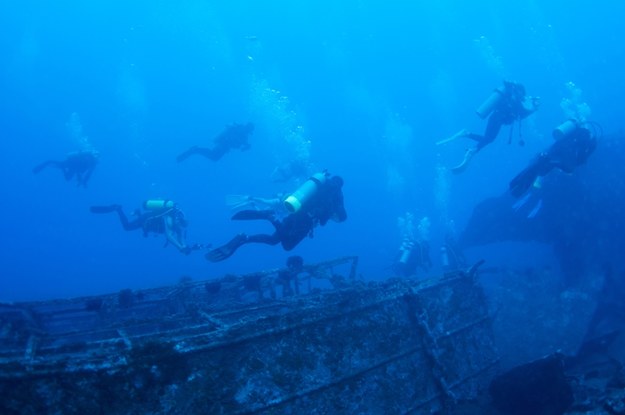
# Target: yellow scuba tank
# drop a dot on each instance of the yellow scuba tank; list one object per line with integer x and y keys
{"x": 564, "y": 129}
{"x": 491, "y": 102}
{"x": 307, "y": 190}
{"x": 158, "y": 204}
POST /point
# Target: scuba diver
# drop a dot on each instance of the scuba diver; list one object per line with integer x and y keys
{"x": 79, "y": 164}
{"x": 159, "y": 217}
{"x": 413, "y": 253}
{"x": 233, "y": 136}
{"x": 316, "y": 201}
{"x": 574, "y": 144}
{"x": 504, "y": 106}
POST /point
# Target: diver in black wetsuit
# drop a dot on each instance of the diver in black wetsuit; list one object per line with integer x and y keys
{"x": 158, "y": 217}
{"x": 79, "y": 164}
{"x": 233, "y": 136}
{"x": 570, "y": 150}
{"x": 318, "y": 200}
{"x": 505, "y": 105}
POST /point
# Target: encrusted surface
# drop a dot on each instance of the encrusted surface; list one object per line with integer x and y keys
{"x": 394, "y": 347}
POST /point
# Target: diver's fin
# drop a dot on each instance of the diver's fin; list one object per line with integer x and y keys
{"x": 459, "y": 134}
{"x": 104, "y": 209}
{"x": 521, "y": 202}
{"x": 536, "y": 209}
{"x": 225, "y": 251}
{"x": 465, "y": 162}
{"x": 253, "y": 215}
{"x": 235, "y": 202}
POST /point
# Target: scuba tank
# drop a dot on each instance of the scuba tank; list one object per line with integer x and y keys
{"x": 401, "y": 267}
{"x": 406, "y": 251}
{"x": 305, "y": 192}
{"x": 491, "y": 102}
{"x": 445, "y": 258}
{"x": 566, "y": 128}
{"x": 158, "y": 204}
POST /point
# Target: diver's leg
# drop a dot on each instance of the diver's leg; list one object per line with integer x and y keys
{"x": 262, "y": 238}
{"x": 186, "y": 154}
{"x": 492, "y": 129}
{"x": 38, "y": 168}
{"x": 214, "y": 153}
{"x": 495, "y": 121}
{"x": 293, "y": 230}
{"x": 205, "y": 152}
{"x": 475, "y": 137}
{"x": 126, "y": 224}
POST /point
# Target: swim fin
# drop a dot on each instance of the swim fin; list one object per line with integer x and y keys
{"x": 459, "y": 134}
{"x": 521, "y": 202}
{"x": 536, "y": 209}
{"x": 465, "y": 162}
{"x": 235, "y": 202}
{"x": 225, "y": 251}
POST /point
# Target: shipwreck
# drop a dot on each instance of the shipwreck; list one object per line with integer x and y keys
{"x": 245, "y": 345}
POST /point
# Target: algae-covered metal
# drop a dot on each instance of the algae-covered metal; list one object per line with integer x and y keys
{"x": 236, "y": 345}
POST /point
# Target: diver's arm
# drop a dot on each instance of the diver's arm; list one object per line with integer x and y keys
{"x": 528, "y": 106}
{"x": 172, "y": 236}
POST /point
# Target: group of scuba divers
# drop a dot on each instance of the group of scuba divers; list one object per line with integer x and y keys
{"x": 575, "y": 139}
{"x": 318, "y": 200}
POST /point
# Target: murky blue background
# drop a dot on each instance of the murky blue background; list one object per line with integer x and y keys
{"x": 362, "y": 88}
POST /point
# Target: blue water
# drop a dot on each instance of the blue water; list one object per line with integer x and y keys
{"x": 362, "y": 88}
